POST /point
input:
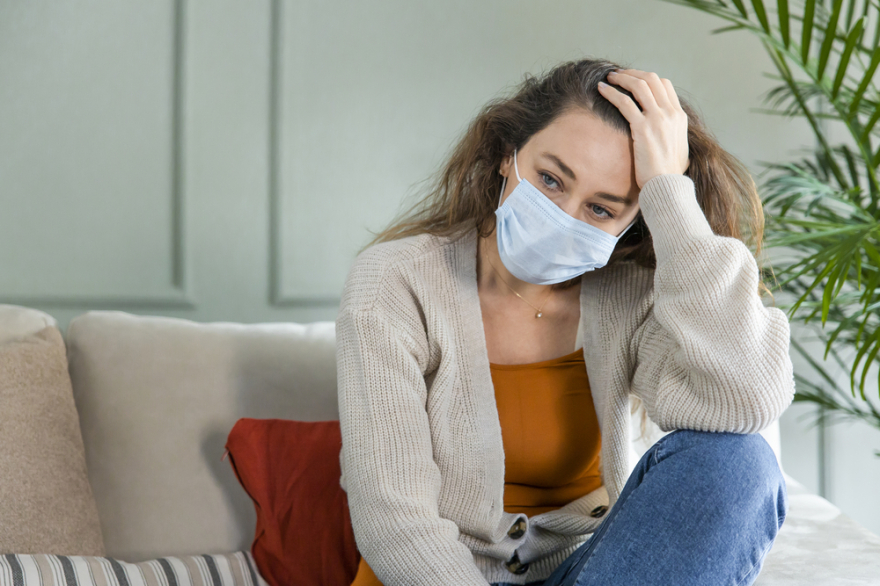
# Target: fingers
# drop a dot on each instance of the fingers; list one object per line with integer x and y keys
{"x": 662, "y": 90}
{"x": 673, "y": 96}
{"x": 644, "y": 85}
{"x": 623, "y": 102}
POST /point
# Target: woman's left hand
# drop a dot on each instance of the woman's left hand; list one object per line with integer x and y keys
{"x": 659, "y": 131}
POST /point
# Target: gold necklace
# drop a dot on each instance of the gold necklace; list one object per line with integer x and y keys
{"x": 538, "y": 309}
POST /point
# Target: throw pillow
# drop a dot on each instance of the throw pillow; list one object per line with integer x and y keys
{"x": 234, "y": 569}
{"x": 291, "y": 471}
{"x": 47, "y": 505}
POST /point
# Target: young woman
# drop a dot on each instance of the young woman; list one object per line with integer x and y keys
{"x": 583, "y": 253}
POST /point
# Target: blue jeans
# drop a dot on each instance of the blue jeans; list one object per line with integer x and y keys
{"x": 700, "y": 508}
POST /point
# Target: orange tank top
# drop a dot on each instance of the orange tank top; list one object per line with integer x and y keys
{"x": 550, "y": 434}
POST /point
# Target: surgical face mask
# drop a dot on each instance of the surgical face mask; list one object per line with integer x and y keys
{"x": 539, "y": 243}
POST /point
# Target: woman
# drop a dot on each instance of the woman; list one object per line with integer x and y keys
{"x": 572, "y": 215}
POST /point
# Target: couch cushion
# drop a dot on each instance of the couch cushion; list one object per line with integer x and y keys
{"x": 157, "y": 397}
{"x": 46, "y": 504}
{"x": 233, "y": 569}
{"x": 291, "y": 471}
{"x": 17, "y": 321}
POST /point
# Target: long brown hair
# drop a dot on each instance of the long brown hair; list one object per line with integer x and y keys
{"x": 463, "y": 194}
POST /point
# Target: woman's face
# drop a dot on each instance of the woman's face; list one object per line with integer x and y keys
{"x": 583, "y": 166}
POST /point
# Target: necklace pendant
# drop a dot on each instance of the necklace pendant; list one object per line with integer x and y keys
{"x": 539, "y": 314}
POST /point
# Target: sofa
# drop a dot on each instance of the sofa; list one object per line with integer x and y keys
{"x": 157, "y": 396}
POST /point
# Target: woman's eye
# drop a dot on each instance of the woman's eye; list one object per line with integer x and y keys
{"x": 549, "y": 181}
{"x": 601, "y": 211}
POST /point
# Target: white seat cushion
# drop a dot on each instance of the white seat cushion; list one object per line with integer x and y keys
{"x": 157, "y": 397}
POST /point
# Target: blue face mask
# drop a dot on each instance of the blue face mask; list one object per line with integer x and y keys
{"x": 539, "y": 243}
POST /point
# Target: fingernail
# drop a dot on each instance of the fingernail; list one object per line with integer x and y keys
{"x": 603, "y": 84}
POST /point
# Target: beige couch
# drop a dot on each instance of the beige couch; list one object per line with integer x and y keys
{"x": 157, "y": 396}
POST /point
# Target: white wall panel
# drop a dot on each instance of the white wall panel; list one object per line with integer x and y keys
{"x": 89, "y": 150}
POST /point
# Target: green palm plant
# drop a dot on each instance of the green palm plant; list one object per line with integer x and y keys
{"x": 824, "y": 209}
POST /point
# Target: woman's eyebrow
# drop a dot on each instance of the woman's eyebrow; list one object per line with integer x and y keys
{"x": 567, "y": 170}
{"x": 616, "y": 198}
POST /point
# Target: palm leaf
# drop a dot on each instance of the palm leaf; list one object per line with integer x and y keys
{"x": 782, "y": 10}
{"x": 741, "y": 7}
{"x": 851, "y": 41}
{"x": 807, "y": 30}
{"x": 761, "y": 13}
{"x": 866, "y": 80}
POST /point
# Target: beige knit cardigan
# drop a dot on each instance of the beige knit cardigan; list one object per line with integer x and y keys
{"x": 422, "y": 457}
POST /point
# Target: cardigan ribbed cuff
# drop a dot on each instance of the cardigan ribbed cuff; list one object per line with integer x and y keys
{"x": 669, "y": 206}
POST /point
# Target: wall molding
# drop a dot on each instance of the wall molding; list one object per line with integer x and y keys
{"x": 181, "y": 297}
{"x": 277, "y": 296}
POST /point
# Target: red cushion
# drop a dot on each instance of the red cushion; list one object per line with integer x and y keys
{"x": 290, "y": 469}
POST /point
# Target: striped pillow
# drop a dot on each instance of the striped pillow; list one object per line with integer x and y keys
{"x": 234, "y": 569}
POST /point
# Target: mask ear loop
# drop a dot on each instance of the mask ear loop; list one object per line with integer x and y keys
{"x": 619, "y": 236}
{"x": 500, "y": 195}
{"x": 504, "y": 183}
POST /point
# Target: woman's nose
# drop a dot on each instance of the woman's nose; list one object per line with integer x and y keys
{"x": 568, "y": 204}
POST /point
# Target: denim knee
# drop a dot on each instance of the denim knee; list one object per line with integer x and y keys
{"x": 744, "y": 463}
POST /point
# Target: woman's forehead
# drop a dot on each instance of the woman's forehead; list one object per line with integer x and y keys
{"x": 592, "y": 150}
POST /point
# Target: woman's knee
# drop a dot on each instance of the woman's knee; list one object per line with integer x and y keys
{"x": 727, "y": 446}
{"x": 743, "y": 465}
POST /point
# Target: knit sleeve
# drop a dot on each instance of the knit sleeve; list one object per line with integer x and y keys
{"x": 391, "y": 479}
{"x": 709, "y": 355}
